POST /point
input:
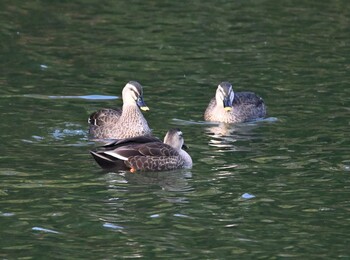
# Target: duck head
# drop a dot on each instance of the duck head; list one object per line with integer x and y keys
{"x": 225, "y": 95}
{"x": 133, "y": 93}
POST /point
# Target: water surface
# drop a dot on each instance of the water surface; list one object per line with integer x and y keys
{"x": 275, "y": 188}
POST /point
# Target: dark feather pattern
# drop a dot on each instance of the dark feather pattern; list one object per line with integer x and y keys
{"x": 106, "y": 161}
{"x": 145, "y": 153}
{"x": 247, "y": 98}
{"x": 133, "y": 140}
{"x": 150, "y": 163}
{"x": 105, "y": 116}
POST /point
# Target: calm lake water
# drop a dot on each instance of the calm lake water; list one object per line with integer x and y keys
{"x": 272, "y": 189}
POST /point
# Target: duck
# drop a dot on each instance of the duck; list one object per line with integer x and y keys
{"x": 121, "y": 123}
{"x": 234, "y": 107}
{"x": 145, "y": 153}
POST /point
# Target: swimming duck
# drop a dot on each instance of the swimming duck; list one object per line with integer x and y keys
{"x": 145, "y": 153}
{"x": 121, "y": 123}
{"x": 230, "y": 107}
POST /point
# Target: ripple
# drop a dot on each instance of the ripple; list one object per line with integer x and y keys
{"x": 45, "y": 230}
{"x": 169, "y": 181}
{"x": 253, "y": 122}
{"x": 247, "y": 196}
{"x": 181, "y": 215}
{"x": 86, "y": 97}
{"x": 112, "y": 226}
{"x": 7, "y": 214}
{"x": 62, "y": 133}
{"x": 191, "y": 122}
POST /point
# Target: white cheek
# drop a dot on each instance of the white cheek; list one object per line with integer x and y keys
{"x": 219, "y": 95}
{"x": 128, "y": 85}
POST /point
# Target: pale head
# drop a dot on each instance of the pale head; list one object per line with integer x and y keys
{"x": 225, "y": 95}
{"x": 133, "y": 93}
{"x": 174, "y": 138}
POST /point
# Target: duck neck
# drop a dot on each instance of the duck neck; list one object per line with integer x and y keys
{"x": 187, "y": 158}
{"x": 132, "y": 113}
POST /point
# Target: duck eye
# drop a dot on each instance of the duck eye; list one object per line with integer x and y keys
{"x": 134, "y": 95}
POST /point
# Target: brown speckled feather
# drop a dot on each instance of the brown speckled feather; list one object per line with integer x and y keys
{"x": 152, "y": 163}
{"x": 144, "y": 153}
{"x": 121, "y": 123}
{"x": 247, "y": 99}
{"x": 105, "y": 116}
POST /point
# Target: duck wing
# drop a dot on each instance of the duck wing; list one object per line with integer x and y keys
{"x": 154, "y": 149}
{"x": 247, "y": 98}
{"x": 105, "y": 116}
{"x": 113, "y": 154}
{"x": 154, "y": 163}
{"x": 154, "y": 157}
{"x": 131, "y": 141}
{"x": 106, "y": 161}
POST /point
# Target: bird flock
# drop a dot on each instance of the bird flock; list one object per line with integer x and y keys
{"x": 130, "y": 144}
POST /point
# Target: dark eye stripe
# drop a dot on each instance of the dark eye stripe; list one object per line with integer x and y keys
{"x": 136, "y": 93}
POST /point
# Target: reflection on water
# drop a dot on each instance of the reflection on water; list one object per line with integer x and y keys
{"x": 244, "y": 130}
{"x": 45, "y": 230}
{"x": 86, "y": 97}
{"x": 168, "y": 180}
{"x": 70, "y": 133}
{"x": 257, "y": 190}
{"x": 224, "y": 136}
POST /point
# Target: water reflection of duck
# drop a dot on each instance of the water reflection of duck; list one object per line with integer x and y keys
{"x": 145, "y": 153}
{"x": 224, "y": 135}
{"x": 121, "y": 123}
{"x": 230, "y": 107}
{"x": 170, "y": 181}
{"x": 242, "y": 130}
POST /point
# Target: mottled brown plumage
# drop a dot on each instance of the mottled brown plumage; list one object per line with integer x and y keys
{"x": 145, "y": 153}
{"x": 230, "y": 107}
{"x": 121, "y": 123}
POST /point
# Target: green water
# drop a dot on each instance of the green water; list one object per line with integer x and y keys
{"x": 272, "y": 189}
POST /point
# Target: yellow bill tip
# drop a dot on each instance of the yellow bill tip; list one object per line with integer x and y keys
{"x": 228, "y": 108}
{"x": 144, "y": 108}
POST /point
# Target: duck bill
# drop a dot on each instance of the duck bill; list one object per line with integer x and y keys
{"x": 227, "y": 104}
{"x": 141, "y": 104}
{"x": 144, "y": 108}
